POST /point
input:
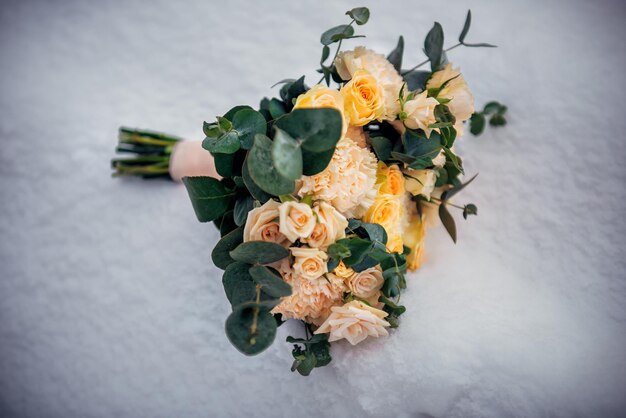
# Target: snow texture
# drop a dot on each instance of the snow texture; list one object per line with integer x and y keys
{"x": 111, "y": 307}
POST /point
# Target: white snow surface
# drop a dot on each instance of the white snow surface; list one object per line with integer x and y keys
{"x": 111, "y": 307}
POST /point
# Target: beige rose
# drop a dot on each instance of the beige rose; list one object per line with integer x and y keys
{"x": 322, "y": 96}
{"x": 420, "y": 112}
{"x": 296, "y": 220}
{"x": 331, "y": 226}
{"x": 420, "y": 182}
{"x": 310, "y": 263}
{"x": 461, "y": 100}
{"x": 262, "y": 224}
{"x": 354, "y": 321}
{"x": 363, "y": 99}
{"x": 366, "y": 283}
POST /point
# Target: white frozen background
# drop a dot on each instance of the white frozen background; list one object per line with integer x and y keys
{"x": 110, "y": 306}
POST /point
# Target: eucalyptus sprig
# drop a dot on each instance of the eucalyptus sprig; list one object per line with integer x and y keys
{"x": 495, "y": 111}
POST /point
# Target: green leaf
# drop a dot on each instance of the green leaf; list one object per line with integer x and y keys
{"x": 469, "y": 209}
{"x": 210, "y": 198}
{"x": 448, "y": 221}
{"x": 338, "y": 251}
{"x": 252, "y": 187}
{"x": 391, "y": 306}
{"x": 259, "y": 252}
{"x": 358, "y": 247}
{"x": 382, "y": 147}
{"x": 227, "y": 143}
{"x": 443, "y": 114}
{"x": 271, "y": 281}
{"x": 391, "y": 287}
{"x": 305, "y": 365}
{"x": 221, "y": 252}
{"x": 251, "y": 329}
{"x": 243, "y": 205}
{"x": 433, "y": 46}
{"x": 492, "y": 107}
{"x": 276, "y": 108}
{"x": 497, "y": 120}
{"x": 262, "y": 171}
{"x": 291, "y": 90}
{"x": 287, "y": 155}
{"x": 449, "y": 193}
{"x": 466, "y": 26}
{"x": 318, "y": 129}
{"x": 226, "y": 223}
{"x": 360, "y": 15}
{"x": 481, "y": 45}
{"x": 248, "y": 123}
{"x": 375, "y": 232}
{"x": 224, "y": 164}
{"x": 333, "y": 35}
{"x": 421, "y": 148}
{"x": 238, "y": 284}
{"x": 416, "y": 80}
{"x": 325, "y": 54}
{"x": 395, "y": 56}
{"x": 316, "y": 162}
{"x": 477, "y": 123}
{"x": 231, "y": 113}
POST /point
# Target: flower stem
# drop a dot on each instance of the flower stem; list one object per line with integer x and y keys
{"x": 428, "y": 60}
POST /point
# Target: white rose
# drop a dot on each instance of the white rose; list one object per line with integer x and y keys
{"x": 366, "y": 283}
{"x": 354, "y": 321}
{"x": 461, "y": 100}
{"x": 440, "y": 159}
{"x": 420, "y": 182}
{"x": 296, "y": 220}
{"x": 331, "y": 226}
{"x": 310, "y": 263}
{"x": 262, "y": 224}
{"x": 420, "y": 112}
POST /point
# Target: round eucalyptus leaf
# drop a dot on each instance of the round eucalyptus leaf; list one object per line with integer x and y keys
{"x": 259, "y": 252}
{"x": 271, "y": 281}
{"x": 238, "y": 284}
{"x": 227, "y": 143}
{"x": 247, "y": 123}
{"x": 319, "y": 129}
{"x": 316, "y": 162}
{"x": 221, "y": 252}
{"x": 252, "y": 187}
{"x": 286, "y": 155}
{"x": 262, "y": 171}
{"x": 251, "y": 329}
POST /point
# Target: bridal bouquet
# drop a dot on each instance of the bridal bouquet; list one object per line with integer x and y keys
{"x": 323, "y": 195}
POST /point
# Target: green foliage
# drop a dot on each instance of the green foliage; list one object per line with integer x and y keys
{"x": 234, "y": 130}
{"x": 310, "y": 353}
{"x": 221, "y": 252}
{"x": 243, "y": 205}
{"x": 446, "y": 218}
{"x": 262, "y": 171}
{"x": 382, "y": 147}
{"x": 416, "y": 80}
{"x": 252, "y": 187}
{"x": 433, "y": 46}
{"x": 395, "y": 56}
{"x": 271, "y": 281}
{"x": 469, "y": 209}
{"x": 209, "y": 197}
{"x": 360, "y": 15}
{"x": 259, "y": 252}
{"x": 251, "y": 328}
{"x": 315, "y": 162}
{"x": 448, "y": 221}
{"x": 316, "y": 129}
{"x": 336, "y": 34}
{"x": 286, "y": 155}
{"x": 466, "y": 27}
{"x": 495, "y": 111}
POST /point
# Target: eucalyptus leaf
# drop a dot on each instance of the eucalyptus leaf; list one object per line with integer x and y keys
{"x": 221, "y": 252}
{"x": 448, "y": 221}
{"x": 271, "y": 281}
{"x": 316, "y": 162}
{"x": 318, "y": 129}
{"x": 466, "y": 26}
{"x": 433, "y": 46}
{"x": 251, "y": 329}
{"x": 243, "y": 205}
{"x": 286, "y": 155}
{"x": 395, "y": 56}
{"x": 252, "y": 187}
{"x": 259, "y": 252}
{"x": 416, "y": 80}
{"x": 382, "y": 147}
{"x": 330, "y": 35}
{"x": 226, "y": 143}
{"x": 469, "y": 209}
{"x": 360, "y": 15}
{"x": 231, "y": 113}
{"x": 209, "y": 197}
{"x": 248, "y": 123}
{"x": 238, "y": 284}
{"x": 455, "y": 190}
{"x": 262, "y": 171}
{"x": 477, "y": 123}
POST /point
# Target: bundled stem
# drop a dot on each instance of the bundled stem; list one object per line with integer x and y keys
{"x": 152, "y": 152}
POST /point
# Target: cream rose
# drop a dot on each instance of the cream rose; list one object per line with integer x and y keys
{"x": 420, "y": 182}
{"x": 322, "y": 96}
{"x": 296, "y": 220}
{"x": 420, "y": 112}
{"x": 354, "y": 321}
{"x": 461, "y": 99}
{"x": 310, "y": 263}
{"x": 363, "y": 99}
{"x": 262, "y": 224}
{"x": 331, "y": 226}
{"x": 366, "y": 283}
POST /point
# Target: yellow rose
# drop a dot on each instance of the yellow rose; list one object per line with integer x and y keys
{"x": 386, "y": 211}
{"x": 296, "y": 220}
{"x": 414, "y": 239}
{"x": 363, "y": 99}
{"x": 392, "y": 180}
{"x": 262, "y": 224}
{"x": 366, "y": 283}
{"x": 342, "y": 271}
{"x": 322, "y": 96}
{"x": 395, "y": 243}
{"x": 420, "y": 182}
{"x": 310, "y": 263}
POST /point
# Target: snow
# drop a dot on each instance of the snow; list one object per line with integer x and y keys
{"x": 110, "y": 306}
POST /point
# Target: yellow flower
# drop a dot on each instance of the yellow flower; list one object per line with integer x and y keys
{"x": 420, "y": 182}
{"x": 386, "y": 211}
{"x": 392, "y": 179}
{"x": 395, "y": 243}
{"x": 414, "y": 239}
{"x": 363, "y": 99}
{"x": 342, "y": 271}
{"x": 322, "y": 96}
